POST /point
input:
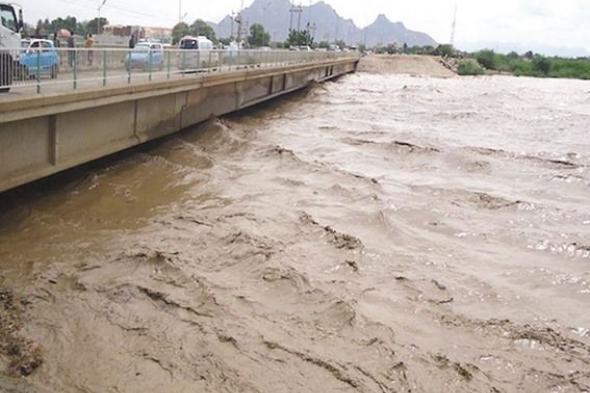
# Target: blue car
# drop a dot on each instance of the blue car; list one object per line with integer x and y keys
{"x": 39, "y": 56}
{"x": 146, "y": 56}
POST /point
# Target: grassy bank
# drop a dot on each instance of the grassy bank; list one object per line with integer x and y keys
{"x": 528, "y": 64}
{"x": 534, "y": 65}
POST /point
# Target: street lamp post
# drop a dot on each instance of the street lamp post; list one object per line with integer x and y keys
{"x": 99, "y": 27}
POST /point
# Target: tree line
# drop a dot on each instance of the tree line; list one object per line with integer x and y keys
{"x": 70, "y": 23}
{"x": 257, "y": 37}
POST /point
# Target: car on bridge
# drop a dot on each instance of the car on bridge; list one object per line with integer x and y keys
{"x": 196, "y": 53}
{"x": 147, "y": 56}
{"x": 39, "y": 57}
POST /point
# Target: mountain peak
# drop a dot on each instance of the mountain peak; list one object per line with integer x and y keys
{"x": 324, "y": 22}
{"x": 382, "y": 19}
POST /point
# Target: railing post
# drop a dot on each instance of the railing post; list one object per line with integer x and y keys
{"x": 38, "y": 71}
{"x": 168, "y": 65}
{"x": 150, "y": 64}
{"x": 128, "y": 67}
{"x": 104, "y": 67}
{"x": 75, "y": 57}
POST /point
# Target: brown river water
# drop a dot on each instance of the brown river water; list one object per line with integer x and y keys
{"x": 380, "y": 233}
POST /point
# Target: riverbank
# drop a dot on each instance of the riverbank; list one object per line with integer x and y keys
{"x": 491, "y": 63}
{"x": 433, "y": 66}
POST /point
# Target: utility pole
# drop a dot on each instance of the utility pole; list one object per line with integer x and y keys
{"x": 233, "y": 20}
{"x": 312, "y": 29}
{"x": 299, "y": 12}
{"x": 264, "y": 13}
{"x": 291, "y": 11}
{"x": 179, "y": 11}
{"x": 295, "y": 9}
{"x": 454, "y": 25}
{"x": 99, "y": 27}
{"x": 241, "y": 23}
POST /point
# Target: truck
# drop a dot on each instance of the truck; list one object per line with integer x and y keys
{"x": 11, "y": 27}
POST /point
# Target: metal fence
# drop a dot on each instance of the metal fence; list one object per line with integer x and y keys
{"x": 63, "y": 69}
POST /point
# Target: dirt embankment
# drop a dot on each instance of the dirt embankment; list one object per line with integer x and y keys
{"x": 406, "y": 64}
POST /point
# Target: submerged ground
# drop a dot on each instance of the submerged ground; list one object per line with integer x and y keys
{"x": 383, "y": 233}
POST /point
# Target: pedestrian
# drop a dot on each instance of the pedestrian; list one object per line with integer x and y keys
{"x": 55, "y": 40}
{"x": 71, "y": 46}
{"x": 88, "y": 45}
{"x": 132, "y": 41}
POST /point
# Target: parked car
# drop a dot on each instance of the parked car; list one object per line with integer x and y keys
{"x": 146, "y": 56}
{"x": 39, "y": 56}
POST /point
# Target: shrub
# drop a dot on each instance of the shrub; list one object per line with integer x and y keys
{"x": 542, "y": 65}
{"x": 486, "y": 58}
{"x": 469, "y": 67}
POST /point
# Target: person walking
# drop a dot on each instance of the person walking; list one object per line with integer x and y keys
{"x": 88, "y": 46}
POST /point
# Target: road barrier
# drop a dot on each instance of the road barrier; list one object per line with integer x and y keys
{"x": 49, "y": 70}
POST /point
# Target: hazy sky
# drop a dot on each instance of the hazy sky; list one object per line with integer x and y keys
{"x": 541, "y": 23}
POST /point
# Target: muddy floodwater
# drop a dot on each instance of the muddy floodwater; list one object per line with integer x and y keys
{"x": 380, "y": 233}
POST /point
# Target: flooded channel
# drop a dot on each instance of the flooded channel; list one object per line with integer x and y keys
{"x": 380, "y": 233}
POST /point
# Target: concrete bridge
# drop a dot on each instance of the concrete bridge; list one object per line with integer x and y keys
{"x": 43, "y": 134}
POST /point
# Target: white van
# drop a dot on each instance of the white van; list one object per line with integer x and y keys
{"x": 196, "y": 53}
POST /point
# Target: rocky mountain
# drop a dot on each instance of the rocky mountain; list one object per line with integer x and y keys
{"x": 383, "y": 31}
{"x": 325, "y": 24}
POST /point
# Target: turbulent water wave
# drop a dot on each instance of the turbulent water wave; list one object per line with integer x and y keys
{"x": 378, "y": 234}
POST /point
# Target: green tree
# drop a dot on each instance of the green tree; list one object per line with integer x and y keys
{"x": 69, "y": 23}
{"x": 201, "y": 28}
{"x": 513, "y": 55}
{"x": 225, "y": 41}
{"x": 43, "y": 27}
{"x": 81, "y": 28}
{"x": 96, "y": 25}
{"x": 445, "y": 50}
{"x": 258, "y": 37}
{"x": 299, "y": 38}
{"x": 178, "y": 31}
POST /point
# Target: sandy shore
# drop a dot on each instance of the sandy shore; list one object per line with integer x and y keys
{"x": 406, "y": 64}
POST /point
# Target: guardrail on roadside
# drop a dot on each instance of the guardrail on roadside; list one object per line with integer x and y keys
{"x": 64, "y": 69}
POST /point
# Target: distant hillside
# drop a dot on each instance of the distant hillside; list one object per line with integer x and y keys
{"x": 329, "y": 26}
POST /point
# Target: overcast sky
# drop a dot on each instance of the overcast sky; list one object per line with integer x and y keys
{"x": 538, "y": 23}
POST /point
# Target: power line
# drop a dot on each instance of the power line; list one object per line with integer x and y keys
{"x": 116, "y": 7}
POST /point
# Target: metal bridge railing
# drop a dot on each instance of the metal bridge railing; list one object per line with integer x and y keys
{"x": 50, "y": 70}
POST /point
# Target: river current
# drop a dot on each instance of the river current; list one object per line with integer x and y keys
{"x": 380, "y": 233}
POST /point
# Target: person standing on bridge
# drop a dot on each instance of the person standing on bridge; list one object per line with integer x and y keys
{"x": 132, "y": 41}
{"x": 71, "y": 46}
{"x": 88, "y": 45}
